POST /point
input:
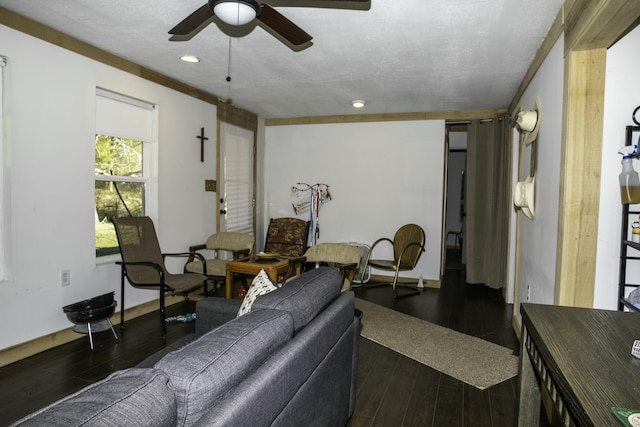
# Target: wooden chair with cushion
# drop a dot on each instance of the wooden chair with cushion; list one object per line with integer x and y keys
{"x": 235, "y": 245}
{"x": 287, "y": 237}
{"x": 408, "y": 245}
{"x": 143, "y": 264}
{"x": 345, "y": 257}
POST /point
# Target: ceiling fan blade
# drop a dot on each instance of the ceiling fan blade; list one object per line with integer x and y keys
{"x": 327, "y": 4}
{"x": 281, "y": 25}
{"x": 346, "y": 1}
{"x": 316, "y": 3}
{"x": 192, "y": 22}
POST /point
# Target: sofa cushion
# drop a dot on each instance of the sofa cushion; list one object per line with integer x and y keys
{"x": 132, "y": 397}
{"x": 207, "y": 368}
{"x": 213, "y": 312}
{"x": 152, "y": 359}
{"x": 305, "y": 296}
{"x": 261, "y": 285}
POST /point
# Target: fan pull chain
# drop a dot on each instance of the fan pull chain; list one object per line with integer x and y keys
{"x": 229, "y": 64}
{"x": 229, "y": 74}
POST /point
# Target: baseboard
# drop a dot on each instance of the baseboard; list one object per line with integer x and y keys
{"x": 405, "y": 280}
{"x": 46, "y": 342}
{"x": 515, "y": 324}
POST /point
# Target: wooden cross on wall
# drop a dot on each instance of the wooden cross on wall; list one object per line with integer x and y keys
{"x": 202, "y": 139}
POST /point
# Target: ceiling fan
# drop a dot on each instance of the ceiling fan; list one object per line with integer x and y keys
{"x": 242, "y": 12}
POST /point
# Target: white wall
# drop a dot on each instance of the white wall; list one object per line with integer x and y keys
{"x": 49, "y": 133}
{"x": 622, "y": 96}
{"x": 382, "y": 175}
{"x": 538, "y": 237}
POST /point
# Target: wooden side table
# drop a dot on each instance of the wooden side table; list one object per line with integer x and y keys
{"x": 252, "y": 265}
{"x": 583, "y": 358}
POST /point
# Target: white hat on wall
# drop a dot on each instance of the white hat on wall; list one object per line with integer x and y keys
{"x": 524, "y": 196}
{"x": 529, "y": 122}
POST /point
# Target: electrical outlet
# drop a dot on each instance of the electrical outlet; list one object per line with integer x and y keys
{"x": 528, "y": 293}
{"x": 65, "y": 277}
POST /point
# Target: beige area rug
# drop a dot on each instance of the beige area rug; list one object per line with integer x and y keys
{"x": 471, "y": 360}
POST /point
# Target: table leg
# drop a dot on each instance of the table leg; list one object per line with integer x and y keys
{"x": 298, "y": 269}
{"x": 228, "y": 282}
{"x": 273, "y": 273}
{"x": 529, "y": 390}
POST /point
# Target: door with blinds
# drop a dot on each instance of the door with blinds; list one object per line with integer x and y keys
{"x": 237, "y": 195}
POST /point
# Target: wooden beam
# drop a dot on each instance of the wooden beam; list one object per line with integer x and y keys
{"x": 581, "y": 159}
{"x": 597, "y": 24}
{"x": 237, "y": 116}
{"x": 590, "y": 27}
{"x": 554, "y": 33}
{"x": 458, "y": 127}
{"x": 360, "y": 118}
{"x": 48, "y": 34}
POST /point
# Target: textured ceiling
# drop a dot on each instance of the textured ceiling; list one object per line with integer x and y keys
{"x": 400, "y": 55}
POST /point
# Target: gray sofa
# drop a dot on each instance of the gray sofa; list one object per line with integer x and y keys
{"x": 291, "y": 361}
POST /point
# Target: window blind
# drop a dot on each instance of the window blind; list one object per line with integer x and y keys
{"x": 238, "y": 177}
{"x": 123, "y": 116}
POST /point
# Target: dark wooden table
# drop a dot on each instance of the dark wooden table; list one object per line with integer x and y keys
{"x": 252, "y": 265}
{"x": 583, "y": 358}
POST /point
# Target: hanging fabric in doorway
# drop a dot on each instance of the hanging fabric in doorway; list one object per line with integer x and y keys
{"x": 311, "y": 198}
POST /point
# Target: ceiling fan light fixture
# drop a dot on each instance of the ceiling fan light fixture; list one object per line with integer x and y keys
{"x": 235, "y": 12}
{"x": 358, "y": 103}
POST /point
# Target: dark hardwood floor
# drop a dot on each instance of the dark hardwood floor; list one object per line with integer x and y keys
{"x": 393, "y": 390}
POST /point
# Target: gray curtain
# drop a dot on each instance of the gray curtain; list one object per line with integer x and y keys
{"x": 488, "y": 202}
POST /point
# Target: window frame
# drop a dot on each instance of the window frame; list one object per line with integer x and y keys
{"x": 149, "y": 162}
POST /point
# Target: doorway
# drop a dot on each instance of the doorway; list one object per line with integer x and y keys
{"x": 455, "y": 212}
{"x": 236, "y": 177}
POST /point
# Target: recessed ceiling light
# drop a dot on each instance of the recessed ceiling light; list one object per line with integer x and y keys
{"x": 190, "y": 58}
{"x": 358, "y": 103}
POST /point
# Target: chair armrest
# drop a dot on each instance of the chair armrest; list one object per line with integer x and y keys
{"x": 213, "y": 312}
{"x": 295, "y": 266}
{"x": 241, "y": 253}
{"x": 193, "y": 254}
{"x": 401, "y": 257}
{"x": 183, "y": 254}
{"x": 370, "y": 252}
{"x": 348, "y": 271}
{"x": 197, "y": 247}
{"x": 383, "y": 239}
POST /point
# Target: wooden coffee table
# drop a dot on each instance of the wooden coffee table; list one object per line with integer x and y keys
{"x": 252, "y": 265}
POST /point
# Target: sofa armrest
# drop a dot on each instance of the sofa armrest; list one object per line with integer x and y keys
{"x": 213, "y": 312}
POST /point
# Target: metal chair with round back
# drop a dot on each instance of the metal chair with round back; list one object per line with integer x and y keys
{"x": 408, "y": 245}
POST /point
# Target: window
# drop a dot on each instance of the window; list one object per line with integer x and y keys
{"x": 123, "y": 144}
{"x": 119, "y": 187}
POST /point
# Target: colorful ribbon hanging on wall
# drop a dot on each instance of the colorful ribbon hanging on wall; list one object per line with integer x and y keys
{"x": 318, "y": 196}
